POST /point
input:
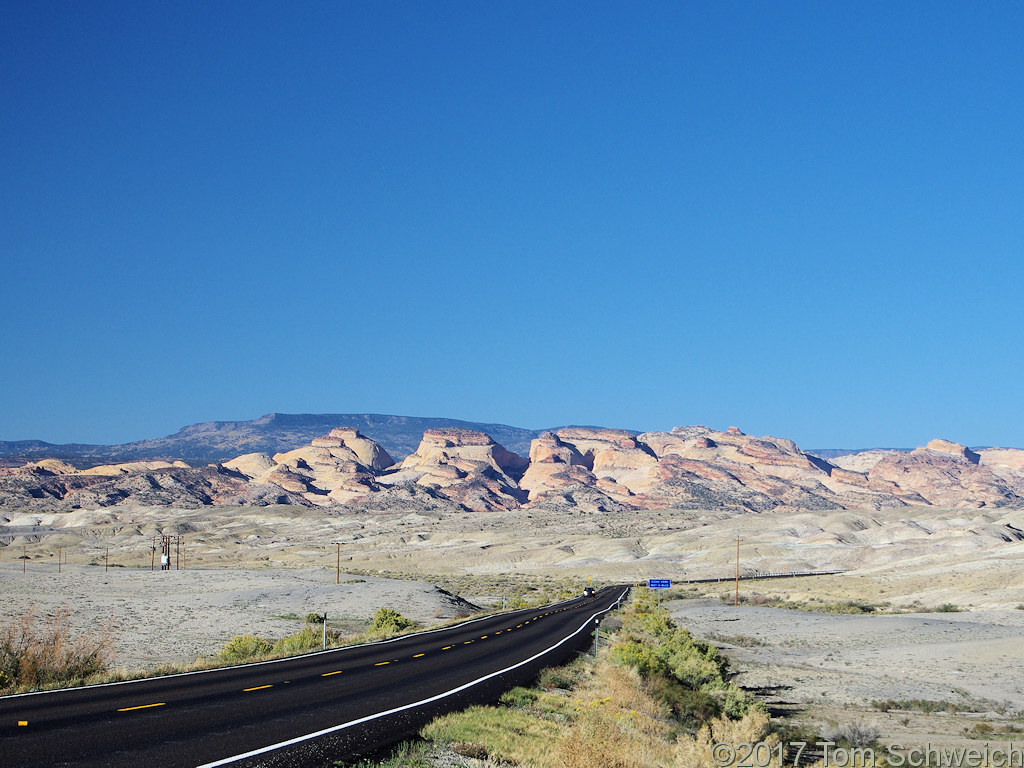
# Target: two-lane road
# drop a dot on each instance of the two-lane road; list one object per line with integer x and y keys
{"x": 301, "y": 711}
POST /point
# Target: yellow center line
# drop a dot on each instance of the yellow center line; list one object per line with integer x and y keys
{"x": 518, "y": 626}
{"x": 382, "y": 663}
{"x": 498, "y": 632}
{"x": 484, "y": 637}
{"x": 144, "y": 706}
{"x": 328, "y": 674}
{"x": 257, "y": 688}
{"x": 467, "y": 642}
{"x": 447, "y": 647}
{"x": 23, "y": 722}
{"x": 419, "y": 655}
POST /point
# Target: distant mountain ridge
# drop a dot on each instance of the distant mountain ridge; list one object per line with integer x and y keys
{"x": 216, "y": 441}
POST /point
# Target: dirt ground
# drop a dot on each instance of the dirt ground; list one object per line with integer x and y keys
{"x": 831, "y": 670}
{"x": 158, "y": 617}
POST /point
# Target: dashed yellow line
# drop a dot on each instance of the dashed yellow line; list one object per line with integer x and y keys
{"x": 23, "y": 722}
{"x": 419, "y": 655}
{"x": 129, "y": 709}
{"x": 257, "y": 688}
{"x": 382, "y": 663}
{"x": 467, "y": 642}
{"x": 328, "y": 674}
{"x": 485, "y": 637}
{"x": 447, "y": 647}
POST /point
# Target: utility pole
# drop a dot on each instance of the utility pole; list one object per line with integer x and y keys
{"x": 152, "y": 555}
{"x": 177, "y": 553}
{"x": 736, "y": 602}
{"x": 337, "y": 566}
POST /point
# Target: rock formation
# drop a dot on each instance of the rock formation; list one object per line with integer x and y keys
{"x": 464, "y": 466}
{"x": 588, "y": 469}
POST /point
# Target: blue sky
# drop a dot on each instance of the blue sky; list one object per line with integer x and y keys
{"x": 804, "y": 219}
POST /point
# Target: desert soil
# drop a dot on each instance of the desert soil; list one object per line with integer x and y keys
{"x": 831, "y": 670}
{"x": 174, "y": 617}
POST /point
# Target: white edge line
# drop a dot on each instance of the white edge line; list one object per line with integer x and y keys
{"x": 277, "y": 661}
{"x": 437, "y": 697}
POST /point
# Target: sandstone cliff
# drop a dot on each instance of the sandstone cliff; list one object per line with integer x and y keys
{"x": 464, "y": 466}
{"x": 602, "y": 470}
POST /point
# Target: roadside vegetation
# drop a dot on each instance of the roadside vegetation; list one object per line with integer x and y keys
{"x": 819, "y": 605}
{"x": 656, "y": 696}
{"x": 44, "y": 652}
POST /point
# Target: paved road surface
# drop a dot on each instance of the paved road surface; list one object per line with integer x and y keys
{"x": 303, "y": 711}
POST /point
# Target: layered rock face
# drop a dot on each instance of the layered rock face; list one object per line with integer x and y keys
{"x": 599, "y": 469}
{"x": 464, "y": 466}
{"x": 334, "y": 469}
{"x": 612, "y": 461}
{"x": 947, "y": 474}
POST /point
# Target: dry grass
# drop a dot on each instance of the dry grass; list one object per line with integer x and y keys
{"x": 752, "y": 728}
{"x": 44, "y": 652}
{"x": 617, "y": 725}
{"x": 507, "y": 734}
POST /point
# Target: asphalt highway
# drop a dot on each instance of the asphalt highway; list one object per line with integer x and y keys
{"x": 297, "y": 712}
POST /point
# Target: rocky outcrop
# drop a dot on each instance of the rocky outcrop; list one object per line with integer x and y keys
{"x": 336, "y": 468}
{"x": 611, "y": 461}
{"x": 465, "y": 466}
{"x": 945, "y": 474}
{"x": 585, "y": 469}
{"x": 45, "y": 488}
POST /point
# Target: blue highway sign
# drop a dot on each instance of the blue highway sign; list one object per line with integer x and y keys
{"x": 659, "y": 583}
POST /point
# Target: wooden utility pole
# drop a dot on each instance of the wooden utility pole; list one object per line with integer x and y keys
{"x": 152, "y": 556}
{"x": 736, "y": 602}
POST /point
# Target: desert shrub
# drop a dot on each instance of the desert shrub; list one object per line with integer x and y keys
{"x": 856, "y": 734}
{"x": 387, "y": 621}
{"x": 557, "y": 677}
{"x": 752, "y": 728}
{"x": 518, "y": 697}
{"x": 314, "y": 618}
{"x": 690, "y": 707}
{"x": 309, "y": 638}
{"x": 244, "y": 648}
{"x": 38, "y": 653}
{"x": 947, "y": 608}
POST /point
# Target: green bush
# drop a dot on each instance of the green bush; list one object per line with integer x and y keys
{"x": 518, "y": 697}
{"x": 309, "y": 638}
{"x": 244, "y": 648}
{"x": 388, "y": 621}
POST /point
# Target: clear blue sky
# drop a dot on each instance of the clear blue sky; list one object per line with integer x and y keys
{"x": 804, "y": 219}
